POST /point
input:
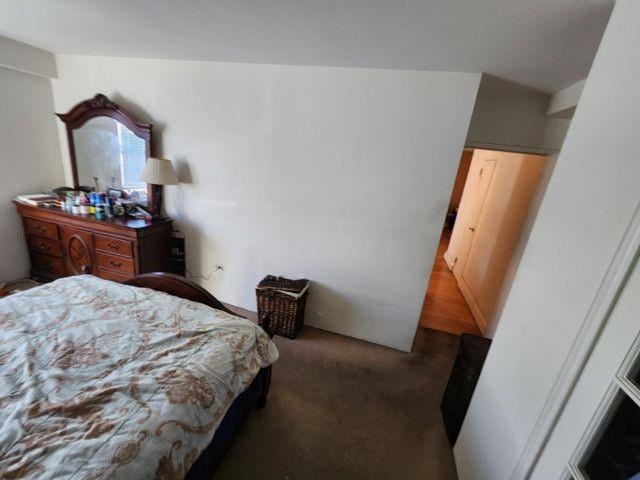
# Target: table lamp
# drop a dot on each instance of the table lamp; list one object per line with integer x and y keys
{"x": 158, "y": 172}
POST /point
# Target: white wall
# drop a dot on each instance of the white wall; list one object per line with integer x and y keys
{"x": 29, "y": 148}
{"x": 335, "y": 174}
{"x": 27, "y": 59}
{"x": 587, "y": 206}
{"x": 510, "y": 117}
{"x": 518, "y": 252}
{"x": 563, "y": 103}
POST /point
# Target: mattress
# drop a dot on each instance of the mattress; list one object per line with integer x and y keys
{"x": 103, "y": 380}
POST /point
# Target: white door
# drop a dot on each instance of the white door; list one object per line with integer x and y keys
{"x": 473, "y": 196}
{"x": 598, "y": 433}
{"x": 497, "y": 231}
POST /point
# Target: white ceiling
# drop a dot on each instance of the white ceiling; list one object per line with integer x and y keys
{"x": 545, "y": 44}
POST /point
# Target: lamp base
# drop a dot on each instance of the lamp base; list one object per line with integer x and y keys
{"x": 156, "y": 201}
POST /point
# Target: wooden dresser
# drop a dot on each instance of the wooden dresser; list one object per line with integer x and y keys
{"x": 62, "y": 244}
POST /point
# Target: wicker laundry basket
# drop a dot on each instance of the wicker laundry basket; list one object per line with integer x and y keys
{"x": 284, "y": 301}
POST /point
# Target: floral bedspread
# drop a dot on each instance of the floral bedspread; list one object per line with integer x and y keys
{"x": 102, "y": 380}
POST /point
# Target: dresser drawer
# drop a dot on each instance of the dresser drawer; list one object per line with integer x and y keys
{"x": 114, "y": 245}
{"x": 41, "y": 229}
{"x": 47, "y": 265}
{"x": 116, "y": 277}
{"x": 45, "y": 245}
{"x": 114, "y": 263}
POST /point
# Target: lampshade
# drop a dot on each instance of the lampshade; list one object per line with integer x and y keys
{"x": 159, "y": 171}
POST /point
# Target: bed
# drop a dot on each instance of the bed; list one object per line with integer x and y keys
{"x": 151, "y": 379}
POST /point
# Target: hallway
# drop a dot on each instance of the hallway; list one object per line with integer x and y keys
{"x": 444, "y": 307}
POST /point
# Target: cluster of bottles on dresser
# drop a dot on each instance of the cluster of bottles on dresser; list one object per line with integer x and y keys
{"x": 94, "y": 203}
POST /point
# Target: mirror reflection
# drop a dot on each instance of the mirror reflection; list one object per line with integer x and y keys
{"x": 110, "y": 156}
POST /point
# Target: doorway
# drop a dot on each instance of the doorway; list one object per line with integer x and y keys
{"x": 490, "y": 203}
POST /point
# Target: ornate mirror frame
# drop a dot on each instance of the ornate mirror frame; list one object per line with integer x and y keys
{"x": 101, "y": 106}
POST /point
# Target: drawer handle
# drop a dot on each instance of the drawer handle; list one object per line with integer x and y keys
{"x": 44, "y": 246}
{"x": 115, "y": 264}
{"x": 113, "y": 246}
{"x": 39, "y": 229}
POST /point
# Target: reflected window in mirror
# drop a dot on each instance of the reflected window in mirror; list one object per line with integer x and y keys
{"x": 133, "y": 156}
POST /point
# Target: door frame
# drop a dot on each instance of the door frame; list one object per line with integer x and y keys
{"x": 583, "y": 344}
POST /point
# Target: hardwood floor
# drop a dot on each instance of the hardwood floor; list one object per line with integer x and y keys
{"x": 444, "y": 307}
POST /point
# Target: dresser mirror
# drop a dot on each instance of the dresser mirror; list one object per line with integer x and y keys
{"x": 108, "y": 148}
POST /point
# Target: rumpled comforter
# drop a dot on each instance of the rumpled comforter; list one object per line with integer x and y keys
{"x": 103, "y": 380}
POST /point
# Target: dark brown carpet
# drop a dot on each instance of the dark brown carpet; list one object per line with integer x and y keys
{"x": 341, "y": 408}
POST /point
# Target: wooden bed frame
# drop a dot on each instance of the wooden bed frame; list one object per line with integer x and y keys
{"x": 254, "y": 397}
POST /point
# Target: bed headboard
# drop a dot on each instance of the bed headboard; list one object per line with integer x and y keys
{"x": 183, "y": 288}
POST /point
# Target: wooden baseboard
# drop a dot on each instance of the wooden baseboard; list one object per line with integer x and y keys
{"x": 480, "y": 318}
{"x": 449, "y": 260}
